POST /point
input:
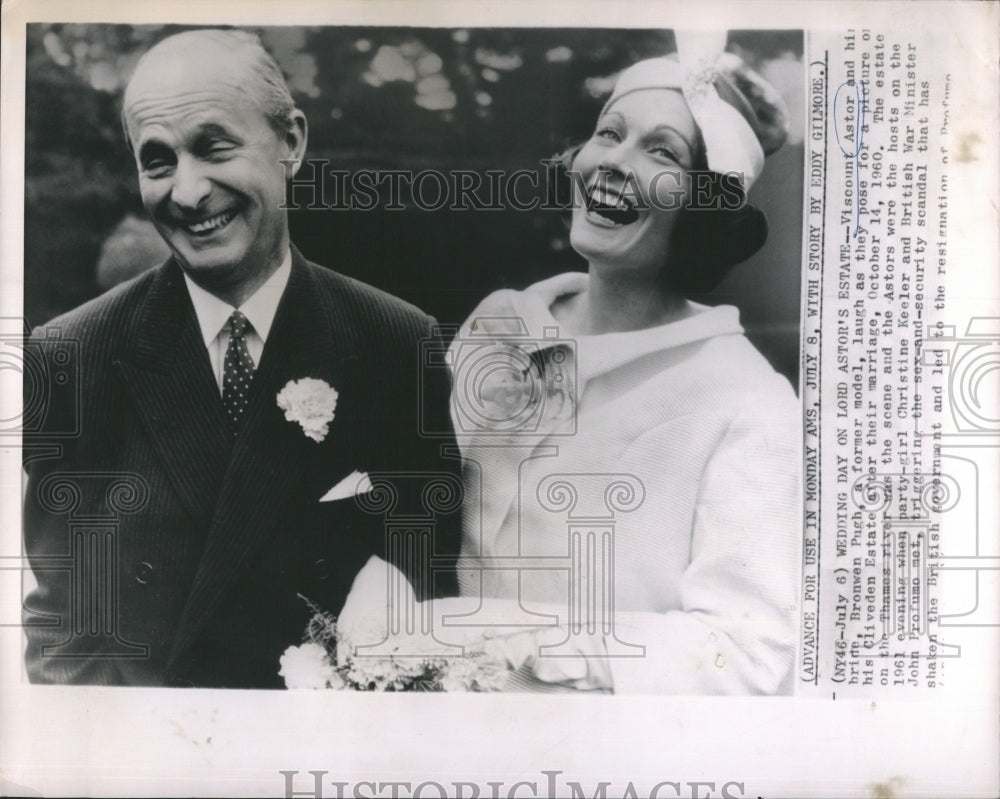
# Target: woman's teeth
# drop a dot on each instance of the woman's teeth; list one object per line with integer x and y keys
{"x": 615, "y": 208}
{"x": 213, "y": 223}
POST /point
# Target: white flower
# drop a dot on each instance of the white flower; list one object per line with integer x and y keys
{"x": 475, "y": 671}
{"x": 369, "y": 656}
{"x": 311, "y": 403}
{"x": 307, "y": 666}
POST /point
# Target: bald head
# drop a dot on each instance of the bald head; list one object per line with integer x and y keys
{"x": 237, "y": 54}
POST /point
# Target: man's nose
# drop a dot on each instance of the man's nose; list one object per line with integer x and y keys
{"x": 191, "y": 186}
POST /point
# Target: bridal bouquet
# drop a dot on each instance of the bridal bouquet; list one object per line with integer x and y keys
{"x": 357, "y": 651}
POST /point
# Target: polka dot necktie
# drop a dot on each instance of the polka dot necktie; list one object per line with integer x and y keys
{"x": 237, "y": 371}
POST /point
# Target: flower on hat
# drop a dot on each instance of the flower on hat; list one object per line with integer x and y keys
{"x": 737, "y": 130}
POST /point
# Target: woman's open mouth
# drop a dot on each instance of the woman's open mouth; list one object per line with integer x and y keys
{"x": 212, "y": 224}
{"x": 610, "y": 209}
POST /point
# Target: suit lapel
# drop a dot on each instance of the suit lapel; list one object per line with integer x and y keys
{"x": 176, "y": 397}
{"x": 273, "y": 462}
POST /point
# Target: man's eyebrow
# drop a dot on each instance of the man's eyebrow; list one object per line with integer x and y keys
{"x": 208, "y": 130}
{"x": 215, "y": 129}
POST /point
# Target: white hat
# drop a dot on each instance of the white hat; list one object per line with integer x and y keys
{"x": 741, "y": 117}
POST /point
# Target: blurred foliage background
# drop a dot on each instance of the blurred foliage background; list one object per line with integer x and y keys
{"x": 387, "y": 98}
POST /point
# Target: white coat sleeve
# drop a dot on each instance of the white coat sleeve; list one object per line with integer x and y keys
{"x": 737, "y": 627}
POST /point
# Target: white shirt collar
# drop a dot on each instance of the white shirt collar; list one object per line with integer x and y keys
{"x": 213, "y": 313}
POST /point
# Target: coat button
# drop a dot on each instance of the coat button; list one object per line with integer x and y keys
{"x": 321, "y": 569}
{"x": 143, "y": 572}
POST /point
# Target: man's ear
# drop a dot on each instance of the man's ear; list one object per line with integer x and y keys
{"x": 296, "y": 138}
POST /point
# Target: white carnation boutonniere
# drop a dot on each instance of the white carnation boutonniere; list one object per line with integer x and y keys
{"x": 311, "y": 403}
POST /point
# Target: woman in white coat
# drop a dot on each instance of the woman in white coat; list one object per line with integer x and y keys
{"x": 632, "y": 464}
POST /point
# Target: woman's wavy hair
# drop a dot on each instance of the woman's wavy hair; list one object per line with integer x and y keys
{"x": 709, "y": 238}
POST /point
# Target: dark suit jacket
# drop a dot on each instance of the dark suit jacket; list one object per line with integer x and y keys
{"x": 168, "y": 552}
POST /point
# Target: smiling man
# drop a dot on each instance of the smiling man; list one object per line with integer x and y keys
{"x": 209, "y": 154}
{"x": 239, "y": 393}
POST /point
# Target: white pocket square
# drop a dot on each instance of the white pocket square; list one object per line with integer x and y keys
{"x": 355, "y": 483}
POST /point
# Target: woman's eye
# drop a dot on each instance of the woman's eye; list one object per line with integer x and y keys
{"x": 665, "y": 152}
{"x": 609, "y": 133}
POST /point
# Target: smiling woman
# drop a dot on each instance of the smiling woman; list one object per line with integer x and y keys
{"x": 684, "y": 578}
{"x": 635, "y": 170}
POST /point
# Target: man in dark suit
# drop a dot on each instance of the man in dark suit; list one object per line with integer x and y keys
{"x": 177, "y": 525}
